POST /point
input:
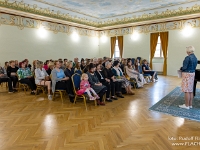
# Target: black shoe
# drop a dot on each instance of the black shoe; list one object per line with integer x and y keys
{"x": 71, "y": 95}
{"x": 114, "y": 98}
{"x": 14, "y": 90}
{"x": 32, "y": 93}
{"x": 108, "y": 100}
{"x": 120, "y": 95}
{"x": 11, "y": 91}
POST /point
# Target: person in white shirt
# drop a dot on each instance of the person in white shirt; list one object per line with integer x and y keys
{"x": 132, "y": 73}
{"x": 42, "y": 78}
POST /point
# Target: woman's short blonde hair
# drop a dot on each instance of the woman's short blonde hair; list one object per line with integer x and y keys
{"x": 39, "y": 64}
{"x": 69, "y": 63}
{"x": 51, "y": 64}
{"x": 190, "y": 49}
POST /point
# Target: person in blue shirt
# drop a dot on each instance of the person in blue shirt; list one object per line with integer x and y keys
{"x": 188, "y": 74}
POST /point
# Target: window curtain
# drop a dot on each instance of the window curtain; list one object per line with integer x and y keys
{"x": 164, "y": 45}
{"x": 120, "y": 44}
{"x": 153, "y": 43}
{"x": 113, "y": 42}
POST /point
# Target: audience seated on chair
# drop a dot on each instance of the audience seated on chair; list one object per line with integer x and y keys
{"x": 26, "y": 77}
{"x": 42, "y": 78}
{"x": 5, "y": 78}
{"x": 116, "y": 87}
{"x": 85, "y": 88}
{"x": 95, "y": 84}
{"x": 12, "y": 73}
{"x": 59, "y": 80}
{"x": 147, "y": 70}
{"x": 46, "y": 65}
{"x": 50, "y": 68}
{"x": 82, "y": 64}
{"x": 120, "y": 77}
{"x": 107, "y": 82}
{"x": 77, "y": 68}
{"x": 132, "y": 73}
{"x": 6, "y": 64}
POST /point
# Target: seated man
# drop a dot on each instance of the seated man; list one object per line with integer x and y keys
{"x": 5, "y": 78}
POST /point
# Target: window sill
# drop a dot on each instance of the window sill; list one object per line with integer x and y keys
{"x": 158, "y": 58}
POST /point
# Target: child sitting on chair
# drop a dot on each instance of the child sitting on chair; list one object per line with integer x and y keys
{"x": 85, "y": 87}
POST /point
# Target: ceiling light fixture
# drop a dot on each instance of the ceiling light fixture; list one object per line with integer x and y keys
{"x": 42, "y": 32}
{"x": 135, "y": 36}
{"x": 75, "y": 36}
{"x": 103, "y": 38}
{"x": 187, "y": 31}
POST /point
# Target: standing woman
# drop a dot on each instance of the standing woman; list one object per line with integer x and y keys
{"x": 188, "y": 73}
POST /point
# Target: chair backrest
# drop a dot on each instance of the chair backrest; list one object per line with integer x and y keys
{"x": 76, "y": 80}
{"x": 140, "y": 69}
{"x": 139, "y": 58}
{"x": 79, "y": 72}
{"x": 133, "y": 61}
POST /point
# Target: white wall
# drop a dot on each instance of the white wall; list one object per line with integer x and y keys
{"x": 20, "y": 44}
{"x": 138, "y": 47}
{"x": 177, "y": 48}
{"x": 104, "y": 47}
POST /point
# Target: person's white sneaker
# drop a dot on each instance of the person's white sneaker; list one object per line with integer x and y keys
{"x": 190, "y": 106}
{"x": 183, "y": 106}
{"x": 49, "y": 97}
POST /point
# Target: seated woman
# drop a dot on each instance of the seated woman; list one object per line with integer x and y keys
{"x": 6, "y": 66}
{"x": 46, "y": 65}
{"x": 12, "y": 73}
{"x": 77, "y": 68}
{"x": 42, "y": 78}
{"x": 69, "y": 71}
{"x": 50, "y": 67}
{"x": 95, "y": 84}
{"x": 119, "y": 76}
{"x": 5, "y": 78}
{"x": 146, "y": 69}
{"x": 82, "y": 64}
{"x": 132, "y": 73}
{"x": 26, "y": 77}
{"x": 59, "y": 80}
{"x": 116, "y": 87}
{"x": 104, "y": 81}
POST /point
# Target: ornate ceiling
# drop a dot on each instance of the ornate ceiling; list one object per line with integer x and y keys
{"x": 105, "y": 13}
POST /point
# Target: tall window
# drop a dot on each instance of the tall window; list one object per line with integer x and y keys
{"x": 158, "y": 52}
{"x": 116, "y": 53}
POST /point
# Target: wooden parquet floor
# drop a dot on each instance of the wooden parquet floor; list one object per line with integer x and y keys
{"x": 33, "y": 123}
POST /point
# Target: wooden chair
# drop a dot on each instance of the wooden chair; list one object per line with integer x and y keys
{"x": 76, "y": 79}
{"x": 40, "y": 87}
{"x": 23, "y": 86}
{"x": 146, "y": 76}
{"x": 59, "y": 91}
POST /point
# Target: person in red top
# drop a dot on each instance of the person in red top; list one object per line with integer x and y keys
{"x": 85, "y": 88}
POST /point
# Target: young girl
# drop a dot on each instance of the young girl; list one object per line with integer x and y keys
{"x": 85, "y": 87}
